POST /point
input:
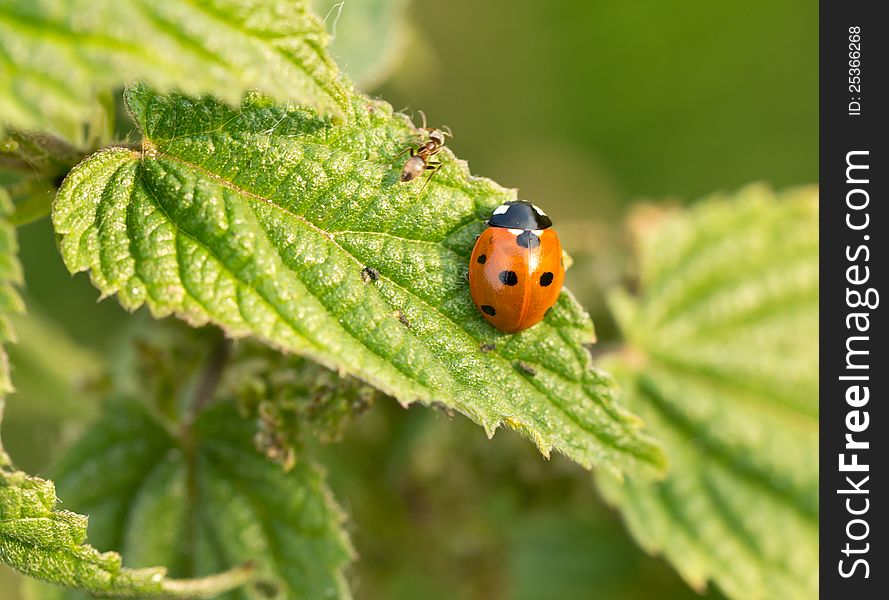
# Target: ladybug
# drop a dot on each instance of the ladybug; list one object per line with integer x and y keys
{"x": 516, "y": 269}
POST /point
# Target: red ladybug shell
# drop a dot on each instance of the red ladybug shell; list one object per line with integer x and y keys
{"x": 516, "y": 274}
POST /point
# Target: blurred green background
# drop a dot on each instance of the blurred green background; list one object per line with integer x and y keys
{"x": 586, "y": 107}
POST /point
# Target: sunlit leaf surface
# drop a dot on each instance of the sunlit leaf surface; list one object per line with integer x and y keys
{"x": 263, "y": 218}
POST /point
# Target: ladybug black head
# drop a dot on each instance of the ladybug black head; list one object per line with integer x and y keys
{"x": 519, "y": 214}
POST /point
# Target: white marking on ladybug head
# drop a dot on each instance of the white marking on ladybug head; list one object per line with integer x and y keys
{"x": 539, "y": 211}
{"x": 501, "y": 209}
{"x": 516, "y": 231}
{"x": 537, "y": 232}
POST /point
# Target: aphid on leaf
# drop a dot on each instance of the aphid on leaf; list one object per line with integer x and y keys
{"x": 516, "y": 269}
{"x": 525, "y": 368}
{"x": 369, "y": 274}
{"x": 420, "y": 157}
{"x": 398, "y": 314}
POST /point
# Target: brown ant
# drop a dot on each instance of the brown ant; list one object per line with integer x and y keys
{"x": 419, "y": 161}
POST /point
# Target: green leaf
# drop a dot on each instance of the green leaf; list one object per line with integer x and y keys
{"x": 292, "y": 399}
{"x": 35, "y": 153}
{"x": 204, "y": 501}
{"x": 57, "y": 55}
{"x": 32, "y": 166}
{"x": 261, "y": 219}
{"x": 10, "y": 301}
{"x": 48, "y": 544}
{"x": 721, "y": 362}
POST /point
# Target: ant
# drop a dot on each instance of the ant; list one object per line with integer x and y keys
{"x": 419, "y": 160}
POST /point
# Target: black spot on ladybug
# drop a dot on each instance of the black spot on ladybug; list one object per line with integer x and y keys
{"x": 488, "y": 310}
{"x": 526, "y": 239}
{"x": 525, "y": 368}
{"x": 508, "y": 278}
{"x": 481, "y": 259}
{"x": 369, "y": 274}
{"x": 487, "y": 347}
{"x": 546, "y": 279}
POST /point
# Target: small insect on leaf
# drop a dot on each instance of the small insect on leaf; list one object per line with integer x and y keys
{"x": 525, "y": 368}
{"x": 399, "y": 314}
{"x": 369, "y": 274}
{"x": 420, "y": 157}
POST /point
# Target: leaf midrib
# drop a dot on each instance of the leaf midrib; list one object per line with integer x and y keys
{"x": 322, "y": 352}
{"x": 156, "y": 152}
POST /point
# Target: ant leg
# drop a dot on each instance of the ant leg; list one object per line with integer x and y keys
{"x": 432, "y": 167}
{"x": 408, "y": 149}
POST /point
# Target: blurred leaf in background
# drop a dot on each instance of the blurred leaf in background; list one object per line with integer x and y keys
{"x": 722, "y": 361}
{"x": 59, "y": 54}
{"x": 585, "y": 106}
{"x": 10, "y": 299}
{"x": 368, "y": 38}
{"x": 438, "y": 511}
{"x": 203, "y": 503}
